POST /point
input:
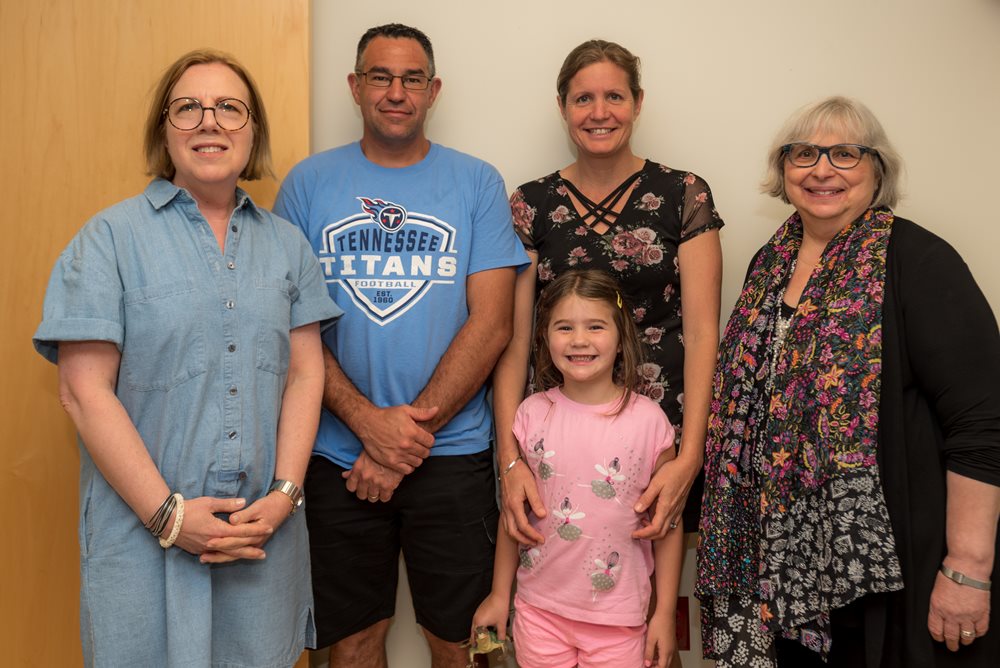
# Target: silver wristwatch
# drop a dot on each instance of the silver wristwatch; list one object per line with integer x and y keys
{"x": 289, "y": 489}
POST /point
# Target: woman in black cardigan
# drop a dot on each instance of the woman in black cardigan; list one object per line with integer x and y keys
{"x": 852, "y": 485}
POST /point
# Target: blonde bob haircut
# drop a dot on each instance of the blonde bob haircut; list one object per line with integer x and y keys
{"x": 158, "y": 162}
{"x": 591, "y": 284}
{"x": 854, "y": 122}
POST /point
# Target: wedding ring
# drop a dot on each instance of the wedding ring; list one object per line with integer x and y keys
{"x": 967, "y": 634}
{"x": 373, "y": 498}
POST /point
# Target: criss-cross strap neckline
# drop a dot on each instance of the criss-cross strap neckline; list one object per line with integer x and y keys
{"x": 599, "y": 211}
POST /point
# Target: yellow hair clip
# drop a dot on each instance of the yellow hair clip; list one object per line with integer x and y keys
{"x": 619, "y": 296}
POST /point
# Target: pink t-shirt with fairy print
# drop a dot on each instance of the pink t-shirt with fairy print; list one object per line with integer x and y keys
{"x": 591, "y": 468}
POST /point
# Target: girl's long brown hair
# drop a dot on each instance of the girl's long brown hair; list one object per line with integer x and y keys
{"x": 597, "y": 285}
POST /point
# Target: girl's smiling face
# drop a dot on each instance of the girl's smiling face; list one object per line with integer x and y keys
{"x": 583, "y": 342}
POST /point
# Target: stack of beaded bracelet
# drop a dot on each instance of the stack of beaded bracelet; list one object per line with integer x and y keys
{"x": 165, "y": 544}
{"x": 157, "y": 524}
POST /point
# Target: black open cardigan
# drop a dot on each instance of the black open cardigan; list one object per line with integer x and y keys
{"x": 939, "y": 411}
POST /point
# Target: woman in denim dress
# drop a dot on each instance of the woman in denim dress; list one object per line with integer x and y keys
{"x": 185, "y": 323}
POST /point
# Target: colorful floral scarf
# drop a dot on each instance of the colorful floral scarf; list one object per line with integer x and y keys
{"x": 794, "y": 522}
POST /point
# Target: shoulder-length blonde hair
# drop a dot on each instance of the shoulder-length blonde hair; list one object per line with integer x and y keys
{"x": 853, "y": 121}
{"x": 599, "y": 286}
{"x": 158, "y": 162}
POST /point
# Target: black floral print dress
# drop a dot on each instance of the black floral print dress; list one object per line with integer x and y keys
{"x": 665, "y": 208}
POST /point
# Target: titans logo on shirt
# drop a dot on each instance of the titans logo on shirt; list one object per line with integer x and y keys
{"x": 389, "y": 216}
{"x": 388, "y": 258}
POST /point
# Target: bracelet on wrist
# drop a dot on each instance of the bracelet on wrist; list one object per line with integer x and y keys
{"x": 963, "y": 579}
{"x": 512, "y": 464}
{"x": 158, "y": 522}
{"x": 178, "y": 522}
{"x": 291, "y": 491}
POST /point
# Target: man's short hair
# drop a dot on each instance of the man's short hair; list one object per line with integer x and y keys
{"x": 396, "y": 31}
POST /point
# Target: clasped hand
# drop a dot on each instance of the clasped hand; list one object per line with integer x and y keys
{"x": 216, "y": 541}
{"x": 395, "y": 443}
{"x": 370, "y": 481}
{"x": 395, "y": 438}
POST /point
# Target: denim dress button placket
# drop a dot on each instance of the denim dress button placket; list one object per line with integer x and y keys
{"x": 230, "y": 458}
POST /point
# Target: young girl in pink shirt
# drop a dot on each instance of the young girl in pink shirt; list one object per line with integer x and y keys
{"x": 592, "y": 443}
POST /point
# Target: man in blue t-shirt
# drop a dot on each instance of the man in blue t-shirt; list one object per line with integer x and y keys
{"x": 417, "y": 247}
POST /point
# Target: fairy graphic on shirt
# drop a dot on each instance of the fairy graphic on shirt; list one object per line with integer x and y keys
{"x": 603, "y": 579}
{"x": 605, "y": 488}
{"x": 528, "y": 556}
{"x": 538, "y": 451}
{"x": 566, "y": 513}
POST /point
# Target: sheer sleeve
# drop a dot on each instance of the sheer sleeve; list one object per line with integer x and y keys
{"x": 524, "y": 219}
{"x": 699, "y": 214}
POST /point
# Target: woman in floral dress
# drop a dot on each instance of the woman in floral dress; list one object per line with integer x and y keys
{"x": 656, "y": 231}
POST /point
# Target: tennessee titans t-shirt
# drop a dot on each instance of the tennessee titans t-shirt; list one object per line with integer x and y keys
{"x": 396, "y": 246}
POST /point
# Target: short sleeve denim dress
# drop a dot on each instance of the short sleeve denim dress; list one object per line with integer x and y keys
{"x": 204, "y": 341}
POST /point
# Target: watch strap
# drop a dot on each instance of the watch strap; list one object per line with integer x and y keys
{"x": 289, "y": 489}
{"x": 963, "y": 579}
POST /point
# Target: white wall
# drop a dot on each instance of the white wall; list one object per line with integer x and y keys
{"x": 720, "y": 78}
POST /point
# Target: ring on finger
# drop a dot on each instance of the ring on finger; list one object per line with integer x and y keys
{"x": 967, "y": 634}
{"x": 673, "y": 525}
{"x": 373, "y": 498}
